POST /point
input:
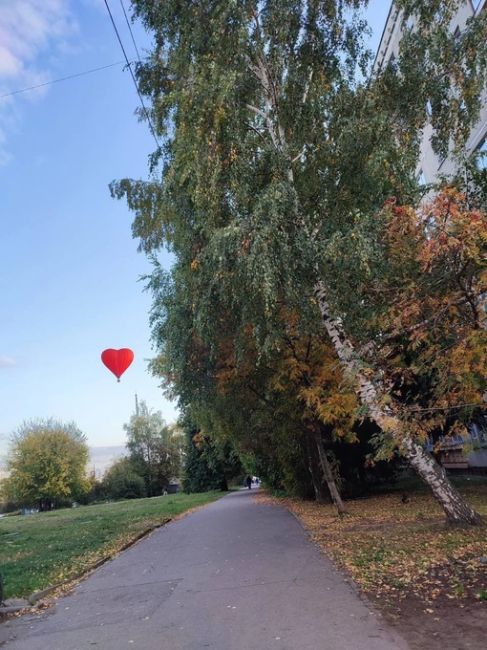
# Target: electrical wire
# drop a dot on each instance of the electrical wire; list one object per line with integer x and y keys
{"x": 55, "y": 81}
{"x": 132, "y": 75}
{"x": 130, "y": 30}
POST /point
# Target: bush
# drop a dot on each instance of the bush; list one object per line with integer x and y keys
{"x": 121, "y": 481}
{"x": 8, "y": 506}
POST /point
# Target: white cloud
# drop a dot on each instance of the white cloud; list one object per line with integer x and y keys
{"x": 28, "y": 29}
{"x": 7, "y": 362}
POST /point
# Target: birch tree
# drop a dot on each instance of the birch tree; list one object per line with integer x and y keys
{"x": 154, "y": 450}
{"x": 280, "y": 149}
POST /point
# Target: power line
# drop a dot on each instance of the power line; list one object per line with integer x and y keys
{"x": 130, "y": 30}
{"x": 132, "y": 75}
{"x": 55, "y": 81}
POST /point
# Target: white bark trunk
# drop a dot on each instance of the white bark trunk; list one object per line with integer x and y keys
{"x": 456, "y": 509}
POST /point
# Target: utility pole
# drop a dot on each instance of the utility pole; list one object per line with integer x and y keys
{"x": 136, "y": 405}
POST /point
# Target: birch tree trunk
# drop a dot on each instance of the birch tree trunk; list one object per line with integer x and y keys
{"x": 456, "y": 508}
{"x": 328, "y": 474}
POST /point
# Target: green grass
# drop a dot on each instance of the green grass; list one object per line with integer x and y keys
{"x": 39, "y": 550}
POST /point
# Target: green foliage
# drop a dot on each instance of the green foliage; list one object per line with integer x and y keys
{"x": 47, "y": 464}
{"x": 472, "y": 179}
{"x": 199, "y": 476}
{"x": 121, "y": 481}
{"x": 281, "y": 147}
{"x": 209, "y": 464}
{"x": 154, "y": 450}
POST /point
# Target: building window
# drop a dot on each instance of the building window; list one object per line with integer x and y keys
{"x": 481, "y": 154}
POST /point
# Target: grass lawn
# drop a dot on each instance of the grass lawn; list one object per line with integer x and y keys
{"x": 42, "y": 549}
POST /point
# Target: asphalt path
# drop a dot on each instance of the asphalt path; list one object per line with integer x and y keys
{"x": 235, "y": 575}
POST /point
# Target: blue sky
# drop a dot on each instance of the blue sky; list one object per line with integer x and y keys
{"x": 69, "y": 269}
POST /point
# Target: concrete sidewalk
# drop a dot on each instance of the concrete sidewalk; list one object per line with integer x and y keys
{"x": 235, "y": 575}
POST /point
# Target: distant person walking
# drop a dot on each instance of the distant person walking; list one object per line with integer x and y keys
{"x": 248, "y": 480}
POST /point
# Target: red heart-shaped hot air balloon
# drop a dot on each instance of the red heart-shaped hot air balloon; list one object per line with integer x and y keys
{"x": 117, "y": 360}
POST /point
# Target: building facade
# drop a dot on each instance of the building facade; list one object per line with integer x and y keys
{"x": 430, "y": 166}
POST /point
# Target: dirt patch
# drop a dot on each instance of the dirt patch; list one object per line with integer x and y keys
{"x": 444, "y": 625}
{"x": 444, "y": 612}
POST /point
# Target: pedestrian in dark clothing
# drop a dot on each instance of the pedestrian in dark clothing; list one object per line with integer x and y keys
{"x": 248, "y": 480}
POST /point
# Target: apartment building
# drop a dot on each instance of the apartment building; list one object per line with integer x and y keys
{"x": 430, "y": 167}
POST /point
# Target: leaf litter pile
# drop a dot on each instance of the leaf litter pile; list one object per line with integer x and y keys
{"x": 428, "y": 578}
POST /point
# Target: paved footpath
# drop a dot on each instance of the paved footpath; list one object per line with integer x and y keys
{"x": 235, "y": 575}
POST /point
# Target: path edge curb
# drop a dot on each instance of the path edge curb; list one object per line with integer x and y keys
{"x": 37, "y": 596}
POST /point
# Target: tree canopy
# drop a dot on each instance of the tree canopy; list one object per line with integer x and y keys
{"x": 47, "y": 464}
{"x": 121, "y": 481}
{"x": 154, "y": 449}
{"x": 283, "y": 154}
